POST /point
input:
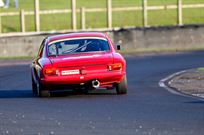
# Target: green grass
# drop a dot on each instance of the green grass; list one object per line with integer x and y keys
{"x": 17, "y": 57}
{"x": 162, "y": 18}
{"x": 29, "y": 23}
{"x": 98, "y": 20}
{"x": 55, "y": 22}
{"x": 201, "y": 68}
{"x": 193, "y": 16}
{"x": 8, "y": 24}
{"x": 127, "y": 18}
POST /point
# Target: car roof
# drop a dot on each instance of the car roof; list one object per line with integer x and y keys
{"x": 76, "y": 35}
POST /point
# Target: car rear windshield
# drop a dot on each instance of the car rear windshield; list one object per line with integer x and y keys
{"x": 69, "y": 46}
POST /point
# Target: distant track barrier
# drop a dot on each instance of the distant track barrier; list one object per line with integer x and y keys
{"x": 83, "y": 11}
{"x": 132, "y": 40}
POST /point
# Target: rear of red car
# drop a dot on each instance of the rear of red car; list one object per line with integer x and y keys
{"x": 85, "y": 61}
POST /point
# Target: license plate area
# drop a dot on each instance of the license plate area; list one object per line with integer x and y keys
{"x": 70, "y": 72}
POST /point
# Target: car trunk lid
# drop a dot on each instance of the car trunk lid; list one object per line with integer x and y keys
{"x": 82, "y": 63}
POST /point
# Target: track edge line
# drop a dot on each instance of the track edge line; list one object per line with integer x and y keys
{"x": 163, "y": 83}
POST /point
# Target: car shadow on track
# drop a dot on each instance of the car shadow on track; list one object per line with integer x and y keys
{"x": 16, "y": 94}
{"x": 195, "y": 102}
{"x": 29, "y": 94}
{"x": 80, "y": 93}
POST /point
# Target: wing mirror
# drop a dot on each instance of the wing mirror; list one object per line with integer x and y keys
{"x": 118, "y": 47}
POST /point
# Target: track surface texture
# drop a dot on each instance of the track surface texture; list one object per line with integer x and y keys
{"x": 147, "y": 109}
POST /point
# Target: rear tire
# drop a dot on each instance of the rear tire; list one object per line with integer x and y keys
{"x": 45, "y": 93}
{"x": 121, "y": 88}
{"x": 41, "y": 92}
{"x": 34, "y": 87}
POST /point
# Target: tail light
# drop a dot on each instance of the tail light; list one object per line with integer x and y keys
{"x": 51, "y": 71}
{"x": 116, "y": 66}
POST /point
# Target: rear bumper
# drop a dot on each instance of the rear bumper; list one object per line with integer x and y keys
{"x": 104, "y": 78}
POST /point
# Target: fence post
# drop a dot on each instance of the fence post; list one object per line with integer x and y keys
{"x": 145, "y": 24}
{"x": 37, "y": 16}
{"x": 22, "y": 20}
{"x": 0, "y": 24}
{"x": 109, "y": 13}
{"x": 74, "y": 19}
{"x": 83, "y": 18}
{"x": 180, "y": 13}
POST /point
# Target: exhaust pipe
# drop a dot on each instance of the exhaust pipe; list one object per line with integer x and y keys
{"x": 95, "y": 84}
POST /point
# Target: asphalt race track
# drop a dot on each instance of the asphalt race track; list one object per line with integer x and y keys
{"x": 146, "y": 110}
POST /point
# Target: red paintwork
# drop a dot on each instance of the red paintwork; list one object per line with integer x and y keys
{"x": 91, "y": 65}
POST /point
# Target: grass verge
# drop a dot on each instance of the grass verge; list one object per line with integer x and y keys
{"x": 200, "y": 68}
{"x": 98, "y": 20}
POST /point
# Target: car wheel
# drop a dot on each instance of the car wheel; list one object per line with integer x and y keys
{"x": 41, "y": 92}
{"x": 121, "y": 88}
{"x": 45, "y": 93}
{"x": 34, "y": 87}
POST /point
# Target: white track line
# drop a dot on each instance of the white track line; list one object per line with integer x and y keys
{"x": 162, "y": 83}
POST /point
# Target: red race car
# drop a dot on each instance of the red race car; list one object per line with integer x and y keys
{"x": 82, "y": 61}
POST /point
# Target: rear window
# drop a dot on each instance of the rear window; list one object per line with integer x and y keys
{"x": 69, "y": 46}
